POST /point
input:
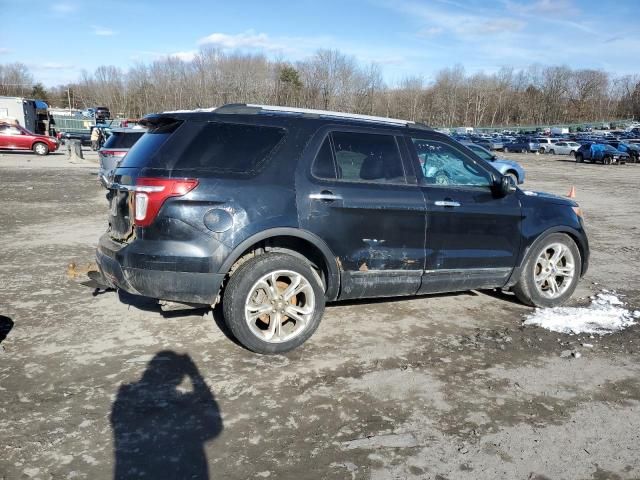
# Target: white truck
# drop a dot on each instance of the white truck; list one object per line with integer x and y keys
{"x": 559, "y": 130}
{"x": 31, "y": 114}
{"x": 464, "y": 130}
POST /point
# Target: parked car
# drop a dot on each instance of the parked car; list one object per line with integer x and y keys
{"x": 102, "y": 114}
{"x": 83, "y": 135}
{"x": 15, "y": 137}
{"x": 503, "y": 165}
{"x": 522, "y": 144}
{"x": 564, "y": 148}
{"x": 601, "y": 152}
{"x": 633, "y": 149}
{"x": 276, "y": 211}
{"x": 114, "y": 150}
{"x": 545, "y": 144}
{"x": 490, "y": 143}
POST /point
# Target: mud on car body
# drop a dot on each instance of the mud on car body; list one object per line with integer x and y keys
{"x": 276, "y": 211}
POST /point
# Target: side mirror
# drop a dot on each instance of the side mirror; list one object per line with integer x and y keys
{"x": 505, "y": 186}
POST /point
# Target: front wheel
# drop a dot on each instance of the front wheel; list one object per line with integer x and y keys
{"x": 551, "y": 272}
{"x": 273, "y": 303}
{"x": 514, "y": 176}
{"x": 40, "y": 148}
{"x": 579, "y": 158}
{"x": 606, "y": 161}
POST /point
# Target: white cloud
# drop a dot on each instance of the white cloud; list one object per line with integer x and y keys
{"x": 539, "y": 7}
{"x": 248, "y": 39}
{"x": 430, "y": 31}
{"x": 4, "y": 51}
{"x": 184, "y": 56}
{"x": 102, "y": 31}
{"x": 62, "y": 8}
{"x": 49, "y": 66}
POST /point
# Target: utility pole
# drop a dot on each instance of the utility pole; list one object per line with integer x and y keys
{"x": 69, "y": 97}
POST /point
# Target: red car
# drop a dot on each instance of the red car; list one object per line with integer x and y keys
{"x": 15, "y": 137}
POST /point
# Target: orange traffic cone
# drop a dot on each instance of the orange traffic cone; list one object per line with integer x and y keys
{"x": 572, "y": 192}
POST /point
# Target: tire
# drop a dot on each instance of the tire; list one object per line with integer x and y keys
{"x": 552, "y": 152}
{"x": 244, "y": 290}
{"x": 532, "y": 292}
{"x": 514, "y": 175}
{"x": 579, "y": 158}
{"x": 541, "y": 150}
{"x": 40, "y": 148}
{"x": 572, "y": 153}
{"x": 606, "y": 160}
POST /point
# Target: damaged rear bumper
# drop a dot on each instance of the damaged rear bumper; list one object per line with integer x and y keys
{"x": 156, "y": 277}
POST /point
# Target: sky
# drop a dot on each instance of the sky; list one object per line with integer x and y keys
{"x": 58, "y": 39}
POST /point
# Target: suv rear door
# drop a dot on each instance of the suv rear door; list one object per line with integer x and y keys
{"x": 473, "y": 237}
{"x": 356, "y": 191}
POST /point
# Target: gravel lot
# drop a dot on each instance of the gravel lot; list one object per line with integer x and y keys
{"x": 96, "y": 384}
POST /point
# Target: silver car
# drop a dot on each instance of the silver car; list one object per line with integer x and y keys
{"x": 114, "y": 150}
{"x": 546, "y": 144}
{"x": 503, "y": 165}
{"x": 565, "y": 148}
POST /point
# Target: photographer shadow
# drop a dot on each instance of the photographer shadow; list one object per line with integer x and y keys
{"x": 161, "y": 425}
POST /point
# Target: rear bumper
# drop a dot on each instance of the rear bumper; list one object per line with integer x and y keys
{"x": 132, "y": 273}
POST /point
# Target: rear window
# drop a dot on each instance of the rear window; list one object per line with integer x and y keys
{"x": 230, "y": 148}
{"x": 143, "y": 150}
{"x": 123, "y": 140}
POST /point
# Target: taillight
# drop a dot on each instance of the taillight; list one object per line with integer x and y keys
{"x": 151, "y": 193}
{"x": 113, "y": 153}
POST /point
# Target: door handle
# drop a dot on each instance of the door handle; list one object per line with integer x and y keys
{"x": 325, "y": 196}
{"x": 446, "y": 203}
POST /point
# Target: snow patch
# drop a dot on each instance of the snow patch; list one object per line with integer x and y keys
{"x": 606, "y": 314}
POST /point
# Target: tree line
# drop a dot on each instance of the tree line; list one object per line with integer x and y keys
{"x": 537, "y": 95}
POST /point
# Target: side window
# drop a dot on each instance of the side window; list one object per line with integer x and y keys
{"x": 441, "y": 164}
{"x": 364, "y": 157}
{"x": 323, "y": 166}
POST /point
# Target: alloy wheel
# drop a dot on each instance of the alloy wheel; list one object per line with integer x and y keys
{"x": 279, "y": 306}
{"x": 554, "y": 270}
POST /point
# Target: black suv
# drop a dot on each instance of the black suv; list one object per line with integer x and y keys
{"x": 275, "y": 211}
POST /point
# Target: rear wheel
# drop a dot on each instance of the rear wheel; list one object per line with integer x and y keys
{"x": 579, "y": 157}
{"x": 572, "y": 153}
{"x": 552, "y": 152}
{"x": 273, "y": 303}
{"x": 551, "y": 272}
{"x": 41, "y": 148}
{"x": 541, "y": 150}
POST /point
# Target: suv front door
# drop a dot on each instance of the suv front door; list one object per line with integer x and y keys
{"x": 353, "y": 193}
{"x": 473, "y": 236}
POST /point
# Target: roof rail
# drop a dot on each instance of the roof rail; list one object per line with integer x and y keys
{"x": 242, "y": 108}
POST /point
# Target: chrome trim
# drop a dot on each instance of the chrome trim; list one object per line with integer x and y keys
{"x": 138, "y": 188}
{"x": 505, "y": 270}
{"x": 324, "y": 196}
{"x": 446, "y": 203}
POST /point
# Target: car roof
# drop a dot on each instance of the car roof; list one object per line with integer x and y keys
{"x": 303, "y": 114}
{"x": 128, "y": 130}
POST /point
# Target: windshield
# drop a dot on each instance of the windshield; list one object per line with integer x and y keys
{"x": 481, "y": 152}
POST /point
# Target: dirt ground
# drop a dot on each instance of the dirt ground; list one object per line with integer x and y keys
{"x": 97, "y": 385}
